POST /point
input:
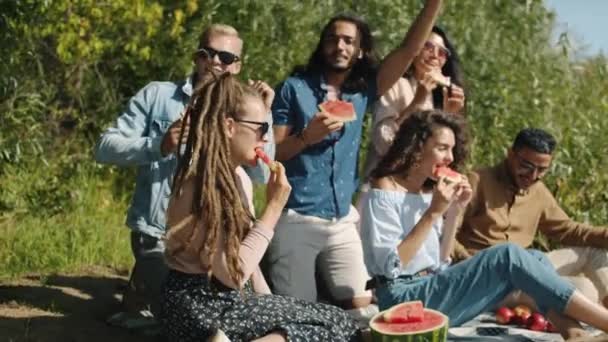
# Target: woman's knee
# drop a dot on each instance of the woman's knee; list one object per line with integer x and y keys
{"x": 507, "y": 249}
{"x": 508, "y": 254}
{"x": 540, "y": 256}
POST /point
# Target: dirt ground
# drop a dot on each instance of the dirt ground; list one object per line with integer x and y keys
{"x": 67, "y": 308}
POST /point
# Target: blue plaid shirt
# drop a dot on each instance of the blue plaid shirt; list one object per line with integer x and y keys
{"x": 323, "y": 176}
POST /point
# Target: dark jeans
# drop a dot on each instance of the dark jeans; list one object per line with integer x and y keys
{"x": 148, "y": 274}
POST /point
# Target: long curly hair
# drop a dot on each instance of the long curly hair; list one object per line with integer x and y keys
{"x": 363, "y": 68}
{"x": 218, "y": 203}
{"x": 409, "y": 142}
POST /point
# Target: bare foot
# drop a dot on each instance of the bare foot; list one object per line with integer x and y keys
{"x": 600, "y": 338}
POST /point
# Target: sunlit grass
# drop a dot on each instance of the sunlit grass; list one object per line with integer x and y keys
{"x": 91, "y": 233}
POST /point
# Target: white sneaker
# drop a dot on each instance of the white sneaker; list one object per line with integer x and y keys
{"x": 218, "y": 337}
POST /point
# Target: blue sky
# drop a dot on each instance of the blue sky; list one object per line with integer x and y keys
{"x": 586, "y": 22}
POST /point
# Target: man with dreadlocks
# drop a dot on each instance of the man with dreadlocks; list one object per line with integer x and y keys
{"x": 146, "y": 135}
{"x": 318, "y": 232}
{"x": 214, "y": 242}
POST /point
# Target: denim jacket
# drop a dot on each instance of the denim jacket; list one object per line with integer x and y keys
{"x": 135, "y": 139}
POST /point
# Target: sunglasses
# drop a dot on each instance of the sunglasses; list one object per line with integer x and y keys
{"x": 442, "y": 52}
{"x": 226, "y": 57}
{"x": 530, "y": 167}
{"x": 264, "y": 126}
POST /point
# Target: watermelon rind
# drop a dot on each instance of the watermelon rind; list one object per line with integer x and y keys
{"x": 436, "y": 333}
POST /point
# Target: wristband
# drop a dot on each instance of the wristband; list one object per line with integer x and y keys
{"x": 300, "y": 136}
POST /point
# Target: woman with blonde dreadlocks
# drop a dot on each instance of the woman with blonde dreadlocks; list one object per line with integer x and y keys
{"x": 214, "y": 243}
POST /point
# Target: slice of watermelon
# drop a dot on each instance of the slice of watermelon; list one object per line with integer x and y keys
{"x": 339, "y": 110}
{"x": 266, "y": 159}
{"x": 432, "y": 328}
{"x": 405, "y": 313}
{"x": 449, "y": 174}
{"x": 442, "y": 80}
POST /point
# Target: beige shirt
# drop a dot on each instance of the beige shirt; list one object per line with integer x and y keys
{"x": 499, "y": 212}
{"x": 386, "y": 114}
{"x": 185, "y": 235}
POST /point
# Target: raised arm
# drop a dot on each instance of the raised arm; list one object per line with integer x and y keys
{"x": 462, "y": 197}
{"x": 448, "y": 198}
{"x": 253, "y": 247}
{"x": 453, "y": 220}
{"x": 128, "y": 142}
{"x": 398, "y": 60}
{"x": 290, "y": 143}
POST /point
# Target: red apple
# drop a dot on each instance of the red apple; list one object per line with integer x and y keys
{"x": 522, "y": 310}
{"x": 551, "y": 328}
{"x": 504, "y": 315}
{"x": 537, "y": 322}
{"x": 521, "y": 319}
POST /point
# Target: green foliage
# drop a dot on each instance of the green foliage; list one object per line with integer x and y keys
{"x": 68, "y": 68}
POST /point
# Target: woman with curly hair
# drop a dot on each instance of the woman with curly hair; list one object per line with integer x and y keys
{"x": 214, "y": 243}
{"x": 409, "y": 221}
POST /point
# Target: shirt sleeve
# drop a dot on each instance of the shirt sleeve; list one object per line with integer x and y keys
{"x": 460, "y": 251}
{"x": 251, "y": 251}
{"x": 387, "y": 112}
{"x": 556, "y": 225}
{"x": 252, "y": 247}
{"x": 381, "y": 227}
{"x": 126, "y": 142}
{"x": 260, "y": 285}
{"x": 281, "y": 105}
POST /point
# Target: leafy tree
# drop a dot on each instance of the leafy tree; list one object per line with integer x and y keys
{"x": 68, "y": 68}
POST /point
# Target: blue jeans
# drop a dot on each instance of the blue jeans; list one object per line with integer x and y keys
{"x": 476, "y": 285}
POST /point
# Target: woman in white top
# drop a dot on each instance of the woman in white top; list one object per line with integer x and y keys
{"x": 433, "y": 81}
{"x": 408, "y": 226}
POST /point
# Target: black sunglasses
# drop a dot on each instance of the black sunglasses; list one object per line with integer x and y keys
{"x": 529, "y": 166}
{"x": 226, "y": 57}
{"x": 264, "y": 126}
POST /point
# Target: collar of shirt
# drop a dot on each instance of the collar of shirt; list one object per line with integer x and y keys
{"x": 187, "y": 87}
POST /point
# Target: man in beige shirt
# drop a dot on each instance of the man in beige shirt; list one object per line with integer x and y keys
{"x": 511, "y": 204}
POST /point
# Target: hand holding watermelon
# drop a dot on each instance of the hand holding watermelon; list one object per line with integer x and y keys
{"x": 266, "y": 159}
{"x": 277, "y": 191}
{"x": 339, "y": 110}
{"x": 448, "y": 174}
{"x": 463, "y": 192}
{"x": 319, "y": 127}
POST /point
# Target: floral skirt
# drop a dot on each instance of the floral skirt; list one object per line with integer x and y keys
{"x": 194, "y": 307}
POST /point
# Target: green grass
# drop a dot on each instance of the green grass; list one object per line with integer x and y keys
{"x": 86, "y": 229}
{"x": 89, "y": 232}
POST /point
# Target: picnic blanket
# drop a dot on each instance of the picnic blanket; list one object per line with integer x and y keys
{"x": 485, "y": 328}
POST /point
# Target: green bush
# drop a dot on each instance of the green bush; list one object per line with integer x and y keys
{"x": 69, "y": 67}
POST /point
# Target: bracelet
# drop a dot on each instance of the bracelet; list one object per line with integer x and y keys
{"x": 300, "y": 136}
